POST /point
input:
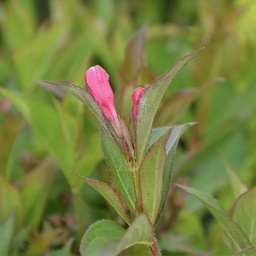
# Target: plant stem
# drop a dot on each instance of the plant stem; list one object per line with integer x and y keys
{"x": 154, "y": 249}
{"x": 79, "y": 212}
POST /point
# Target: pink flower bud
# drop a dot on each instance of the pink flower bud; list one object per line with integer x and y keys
{"x": 97, "y": 80}
{"x": 136, "y": 96}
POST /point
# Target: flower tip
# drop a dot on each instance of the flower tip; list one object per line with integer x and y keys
{"x": 96, "y": 73}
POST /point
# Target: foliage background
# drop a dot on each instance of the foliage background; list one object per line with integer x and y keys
{"x": 43, "y": 207}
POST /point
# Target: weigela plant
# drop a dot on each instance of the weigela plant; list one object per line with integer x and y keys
{"x": 139, "y": 161}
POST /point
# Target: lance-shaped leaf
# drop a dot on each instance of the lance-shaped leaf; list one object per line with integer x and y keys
{"x": 244, "y": 213}
{"x": 121, "y": 176}
{"x": 81, "y": 94}
{"x": 110, "y": 195}
{"x": 151, "y": 173}
{"x": 107, "y": 238}
{"x": 150, "y": 101}
{"x": 171, "y": 146}
{"x": 235, "y": 233}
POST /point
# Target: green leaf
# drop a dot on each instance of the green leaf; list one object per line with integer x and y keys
{"x": 171, "y": 146}
{"x": 10, "y": 200}
{"x": 121, "y": 176}
{"x": 140, "y": 232}
{"x": 101, "y": 238}
{"x": 238, "y": 186}
{"x": 232, "y": 229}
{"x": 47, "y": 126}
{"x": 89, "y": 158}
{"x": 157, "y": 133}
{"x": 110, "y": 195}
{"x": 36, "y": 185}
{"x": 244, "y": 213}
{"x": 151, "y": 178}
{"x": 150, "y": 101}
{"x": 108, "y": 238}
{"x": 138, "y": 249}
{"x": 175, "y": 134}
{"x": 6, "y": 233}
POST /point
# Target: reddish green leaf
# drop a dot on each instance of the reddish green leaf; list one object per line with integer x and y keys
{"x": 110, "y": 195}
{"x": 150, "y": 101}
{"x": 151, "y": 181}
{"x": 121, "y": 176}
{"x": 174, "y": 135}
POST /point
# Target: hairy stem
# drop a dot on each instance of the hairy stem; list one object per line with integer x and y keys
{"x": 154, "y": 249}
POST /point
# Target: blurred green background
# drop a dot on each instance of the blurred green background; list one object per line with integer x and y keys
{"x": 44, "y": 208}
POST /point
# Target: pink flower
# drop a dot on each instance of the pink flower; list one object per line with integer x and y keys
{"x": 136, "y": 96}
{"x": 97, "y": 80}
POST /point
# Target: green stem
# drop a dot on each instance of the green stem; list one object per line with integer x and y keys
{"x": 135, "y": 177}
{"x": 79, "y": 212}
